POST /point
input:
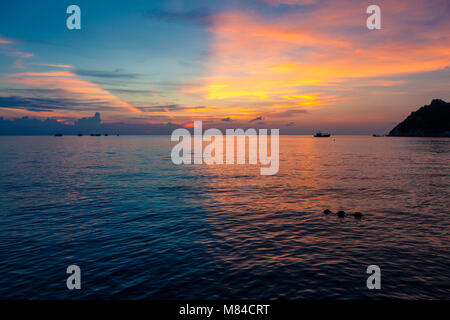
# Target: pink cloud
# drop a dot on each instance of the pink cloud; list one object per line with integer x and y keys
{"x": 5, "y": 41}
{"x": 256, "y": 63}
{"x": 63, "y": 66}
{"x": 67, "y": 85}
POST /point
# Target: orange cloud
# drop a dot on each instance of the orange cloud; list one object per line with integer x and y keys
{"x": 65, "y": 83}
{"x": 70, "y": 87}
{"x": 64, "y": 66}
{"x": 264, "y": 65}
{"x": 46, "y": 74}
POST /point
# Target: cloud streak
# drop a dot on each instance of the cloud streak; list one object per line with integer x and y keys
{"x": 264, "y": 65}
{"x": 67, "y": 85}
{"x": 117, "y": 74}
{"x": 201, "y": 16}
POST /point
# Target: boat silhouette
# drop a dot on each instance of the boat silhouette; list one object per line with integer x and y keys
{"x": 322, "y": 135}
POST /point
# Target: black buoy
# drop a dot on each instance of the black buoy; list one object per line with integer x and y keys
{"x": 327, "y": 211}
{"x": 358, "y": 215}
{"x": 341, "y": 214}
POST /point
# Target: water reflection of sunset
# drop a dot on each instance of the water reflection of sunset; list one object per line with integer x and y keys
{"x": 276, "y": 222}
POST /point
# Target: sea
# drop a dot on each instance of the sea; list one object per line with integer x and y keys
{"x": 141, "y": 227}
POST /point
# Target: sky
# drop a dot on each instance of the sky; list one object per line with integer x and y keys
{"x": 297, "y": 65}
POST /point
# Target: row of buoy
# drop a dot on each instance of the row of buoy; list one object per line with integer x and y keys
{"x": 342, "y": 214}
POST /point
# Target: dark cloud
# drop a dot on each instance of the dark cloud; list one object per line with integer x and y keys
{"x": 32, "y": 91}
{"x": 38, "y": 104}
{"x": 159, "y": 118}
{"x": 116, "y": 74}
{"x": 288, "y": 113}
{"x": 86, "y": 126}
{"x": 88, "y": 122}
{"x": 134, "y": 91}
{"x": 256, "y": 119}
{"x": 202, "y": 17}
{"x": 227, "y": 119}
{"x": 32, "y": 104}
{"x": 159, "y": 108}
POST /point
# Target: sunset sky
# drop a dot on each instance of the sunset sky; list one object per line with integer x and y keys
{"x": 297, "y": 65}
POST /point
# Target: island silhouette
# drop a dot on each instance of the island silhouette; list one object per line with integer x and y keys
{"x": 431, "y": 120}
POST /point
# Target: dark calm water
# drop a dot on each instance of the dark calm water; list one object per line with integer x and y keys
{"x": 141, "y": 227}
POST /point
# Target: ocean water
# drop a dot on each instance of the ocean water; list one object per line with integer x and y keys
{"x": 140, "y": 227}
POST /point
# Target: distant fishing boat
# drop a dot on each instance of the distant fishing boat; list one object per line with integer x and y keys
{"x": 322, "y": 135}
{"x": 58, "y": 135}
